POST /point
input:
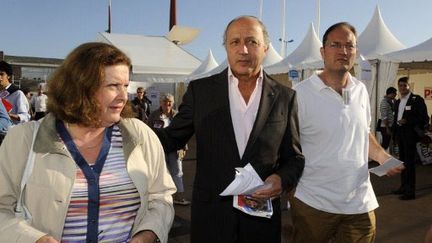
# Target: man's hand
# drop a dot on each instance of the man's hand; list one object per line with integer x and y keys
{"x": 47, "y": 239}
{"x": 145, "y": 236}
{"x": 274, "y": 189}
{"x": 14, "y": 117}
{"x": 395, "y": 170}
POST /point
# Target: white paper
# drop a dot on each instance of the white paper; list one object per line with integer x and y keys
{"x": 246, "y": 182}
{"x": 388, "y": 164}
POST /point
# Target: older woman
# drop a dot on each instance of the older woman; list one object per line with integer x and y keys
{"x": 98, "y": 176}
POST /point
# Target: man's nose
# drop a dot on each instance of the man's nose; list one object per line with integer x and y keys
{"x": 244, "y": 49}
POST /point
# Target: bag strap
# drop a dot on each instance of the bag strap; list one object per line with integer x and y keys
{"x": 27, "y": 173}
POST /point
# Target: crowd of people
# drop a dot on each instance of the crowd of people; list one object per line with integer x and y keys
{"x": 98, "y": 168}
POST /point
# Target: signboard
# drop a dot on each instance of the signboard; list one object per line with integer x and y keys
{"x": 428, "y": 93}
{"x": 293, "y": 74}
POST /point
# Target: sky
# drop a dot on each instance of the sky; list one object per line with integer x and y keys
{"x": 52, "y": 28}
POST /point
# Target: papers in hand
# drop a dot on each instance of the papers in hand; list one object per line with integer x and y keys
{"x": 388, "y": 164}
{"x": 245, "y": 183}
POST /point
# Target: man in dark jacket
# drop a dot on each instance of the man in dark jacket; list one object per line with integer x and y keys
{"x": 411, "y": 118}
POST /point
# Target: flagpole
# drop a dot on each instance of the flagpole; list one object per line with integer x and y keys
{"x": 282, "y": 39}
{"x": 109, "y": 17}
{"x": 317, "y": 25}
{"x": 260, "y": 10}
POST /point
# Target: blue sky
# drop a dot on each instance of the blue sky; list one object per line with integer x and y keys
{"x": 52, "y": 28}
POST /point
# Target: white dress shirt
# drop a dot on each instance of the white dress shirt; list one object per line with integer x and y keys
{"x": 243, "y": 115}
{"x": 402, "y": 104}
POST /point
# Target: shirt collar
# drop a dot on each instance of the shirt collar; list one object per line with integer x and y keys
{"x": 319, "y": 85}
{"x": 234, "y": 80}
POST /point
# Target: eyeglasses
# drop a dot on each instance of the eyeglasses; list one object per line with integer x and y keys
{"x": 338, "y": 45}
{"x": 140, "y": 92}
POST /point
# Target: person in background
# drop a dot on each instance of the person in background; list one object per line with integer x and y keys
{"x": 239, "y": 116}
{"x": 98, "y": 175}
{"x": 141, "y": 105}
{"x": 162, "y": 118}
{"x": 411, "y": 118}
{"x": 21, "y": 109}
{"x": 387, "y": 116}
{"x": 334, "y": 200}
{"x": 39, "y": 102}
{"x": 5, "y": 121}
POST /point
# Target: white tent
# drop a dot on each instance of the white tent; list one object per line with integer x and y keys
{"x": 215, "y": 70}
{"x": 307, "y": 52}
{"x": 419, "y": 53}
{"x": 208, "y": 64}
{"x": 155, "y": 59}
{"x": 376, "y": 39}
{"x": 416, "y": 62}
{"x": 272, "y": 57}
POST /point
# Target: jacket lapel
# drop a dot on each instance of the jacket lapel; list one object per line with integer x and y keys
{"x": 268, "y": 98}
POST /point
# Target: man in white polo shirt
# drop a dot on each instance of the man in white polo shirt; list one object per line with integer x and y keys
{"x": 334, "y": 199}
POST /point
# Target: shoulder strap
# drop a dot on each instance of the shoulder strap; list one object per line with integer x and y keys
{"x": 26, "y": 175}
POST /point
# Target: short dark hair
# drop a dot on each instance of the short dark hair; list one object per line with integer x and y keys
{"x": 72, "y": 87}
{"x": 263, "y": 27}
{"x": 337, "y": 25}
{"x": 6, "y": 67}
{"x": 391, "y": 90}
{"x": 403, "y": 80}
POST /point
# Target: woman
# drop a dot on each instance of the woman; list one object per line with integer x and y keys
{"x": 98, "y": 176}
{"x": 161, "y": 118}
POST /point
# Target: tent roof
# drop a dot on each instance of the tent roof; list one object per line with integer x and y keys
{"x": 153, "y": 54}
{"x": 272, "y": 57}
{"x": 419, "y": 53}
{"x": 208, "y": 64}
{"x": 308, "y": 51}
{"x": 377, "y": 39}
{"x": 215, "y": 70}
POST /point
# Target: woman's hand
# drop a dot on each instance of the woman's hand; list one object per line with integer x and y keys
{"x": 47, "y": 239}
{"x": 145, "y": 236}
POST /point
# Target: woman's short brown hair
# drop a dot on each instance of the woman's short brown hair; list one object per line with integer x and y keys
{"x": 73, "y": 86}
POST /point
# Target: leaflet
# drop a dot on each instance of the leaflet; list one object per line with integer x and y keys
{"x": 245, "y": 183}
{"x": 388, "y": 164}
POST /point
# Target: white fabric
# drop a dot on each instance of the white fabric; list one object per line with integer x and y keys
{"x": 402, "y": 104}
{"x": 20, "y": 107}
{"x": 215, "y": 70}
{"x": 243, "y": 115}
{"x": 208, "y": 64}
{"x": 387, "y": 72}
{"x": 418, "y": 53}
{"x": 39, "y": 102}
{"x": 335, "y": 138}
{"x": 154, "y": 58}
{"x": 376, "y": 39}
{"x": 307, "y": 52}
{"x": 271, "y": 57}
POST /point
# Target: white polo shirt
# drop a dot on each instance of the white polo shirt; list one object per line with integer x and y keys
{"x": 334, "y": 136}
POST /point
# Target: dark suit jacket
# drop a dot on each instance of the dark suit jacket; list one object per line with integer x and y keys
{"x": 273, "y": 146}
{"x": 417, "y": 118}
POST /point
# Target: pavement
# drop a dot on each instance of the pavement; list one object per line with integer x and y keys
{"x": 397, "y": 221}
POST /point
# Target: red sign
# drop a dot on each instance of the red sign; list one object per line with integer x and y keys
{"x": 428, "y": 93}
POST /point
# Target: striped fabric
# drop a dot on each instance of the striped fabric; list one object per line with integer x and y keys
{"x": 119, "y": 200}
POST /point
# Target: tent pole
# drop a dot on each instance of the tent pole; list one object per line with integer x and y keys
{"x": 376, "y": 94}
